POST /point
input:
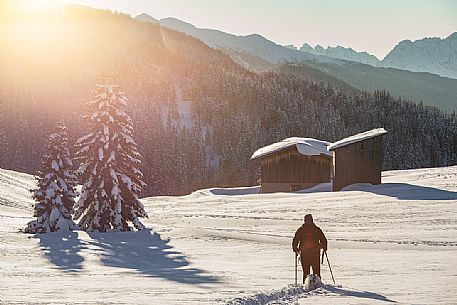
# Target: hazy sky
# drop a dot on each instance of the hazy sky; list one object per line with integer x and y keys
{"x": 375, "y": 26}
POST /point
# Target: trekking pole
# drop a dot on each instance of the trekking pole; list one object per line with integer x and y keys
{"x": 296, "y": 257}
{"x": 330, "y": 267}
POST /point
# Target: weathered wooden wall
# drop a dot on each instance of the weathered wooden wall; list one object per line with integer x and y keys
{"x": 359, "y": 162}
{"x": 290, "y": 169}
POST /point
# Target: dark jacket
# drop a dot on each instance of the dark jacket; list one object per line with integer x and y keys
{"x": 299, "y": 239}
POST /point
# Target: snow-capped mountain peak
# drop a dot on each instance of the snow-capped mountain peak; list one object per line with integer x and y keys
{"x": 341, "y": 53}
{"x": 433, "y": 54}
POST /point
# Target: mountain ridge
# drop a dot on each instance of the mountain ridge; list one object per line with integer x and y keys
{"x": 254, "y": 43}
{"x": 259, "y": 54}
{"x": 423, "y": 55}
{"x": 340, "y": 52}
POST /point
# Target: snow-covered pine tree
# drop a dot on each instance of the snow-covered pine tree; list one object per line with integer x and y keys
{"x": 109, "y": 166}
{"x": 55, "y": 195}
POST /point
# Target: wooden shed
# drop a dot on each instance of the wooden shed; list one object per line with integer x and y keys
{"x": 358, "y": 159}
{"x": 294, "y": 164}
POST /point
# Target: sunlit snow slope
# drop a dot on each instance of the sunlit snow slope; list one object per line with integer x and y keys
{"x": 396, "y": 242}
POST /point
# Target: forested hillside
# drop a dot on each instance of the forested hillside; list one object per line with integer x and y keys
{"x": 431, "y": 89}
{"x": 50, "y": 67}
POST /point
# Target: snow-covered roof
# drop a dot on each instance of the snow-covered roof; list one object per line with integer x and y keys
{"x": 357, "y": 138}
{"x": 305, "y": 146}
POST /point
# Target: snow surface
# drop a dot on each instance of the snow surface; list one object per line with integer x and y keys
{"x": 395, "y": 242}
{"x": 306, "y": 146}
{"x": 357, "y": 138}
{"x": 184, "y": 109}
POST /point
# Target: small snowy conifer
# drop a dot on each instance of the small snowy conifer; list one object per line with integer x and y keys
{"x": 55, "y": 195}
{"x": 109, "y": 167}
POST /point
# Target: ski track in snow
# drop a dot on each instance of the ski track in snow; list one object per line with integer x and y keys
{"x": 286, "y": 295}
{"x": 232, "y": 246}
{"x": 292, "y": 295}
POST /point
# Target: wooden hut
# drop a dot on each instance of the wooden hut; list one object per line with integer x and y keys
{"x": 294, "y": 164}
{"x": 358, "y": 159}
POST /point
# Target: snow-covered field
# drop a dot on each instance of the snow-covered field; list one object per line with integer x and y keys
{"x": 395, "y": 242}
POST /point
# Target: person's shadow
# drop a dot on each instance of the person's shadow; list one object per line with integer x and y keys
{"x": 358, "y": 294}
{"x": 63, "y": 250}
{"x": 147, "y": 253}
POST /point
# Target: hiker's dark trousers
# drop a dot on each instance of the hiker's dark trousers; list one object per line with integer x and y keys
{"x": 310, "y": 260}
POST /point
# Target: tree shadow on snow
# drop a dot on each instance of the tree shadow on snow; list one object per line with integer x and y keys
{"x": 358, "y": 294}
{"x": 405, "y": 191}
{"x": 62, "y": 249}
{"x": 148, "y": 254}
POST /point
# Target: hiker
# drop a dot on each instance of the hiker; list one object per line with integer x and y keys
{"x": 307, "y": 242}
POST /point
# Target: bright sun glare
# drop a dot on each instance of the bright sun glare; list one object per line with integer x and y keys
{"x": 35, "y": 5}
